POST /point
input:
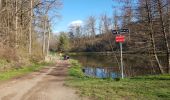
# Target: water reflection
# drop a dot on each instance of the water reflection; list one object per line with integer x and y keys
{"x": 101, "y": 72}
{"x": 103, "y": 66}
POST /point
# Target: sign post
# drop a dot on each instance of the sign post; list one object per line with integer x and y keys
{"x": 121, "y": 39}
{"x": 121, "y": 59}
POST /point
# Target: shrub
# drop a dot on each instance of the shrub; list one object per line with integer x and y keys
{"x": 9, "y": 54}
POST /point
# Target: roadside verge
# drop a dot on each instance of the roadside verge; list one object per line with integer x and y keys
{"x": 154, "y": 87}
{"x": 22, "y": 71}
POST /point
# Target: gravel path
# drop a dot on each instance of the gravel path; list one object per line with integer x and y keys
{"x": 47, "y": 84}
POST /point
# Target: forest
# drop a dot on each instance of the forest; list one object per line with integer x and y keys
{"x": 147, "y": 20}
{"x": 25, "y": 28}
{"x": 26, "y": 31}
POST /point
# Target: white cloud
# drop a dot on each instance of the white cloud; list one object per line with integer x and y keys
{"x": 76, "y": 23}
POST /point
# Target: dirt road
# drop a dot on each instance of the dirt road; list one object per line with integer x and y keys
{"x": 47, "y": 84}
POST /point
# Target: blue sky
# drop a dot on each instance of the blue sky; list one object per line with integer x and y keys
{"x": 74, "y": 10}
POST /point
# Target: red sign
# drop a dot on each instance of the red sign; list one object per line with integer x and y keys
{"x": 120, "y": 38}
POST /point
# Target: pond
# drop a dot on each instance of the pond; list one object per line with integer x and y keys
{"x": 104, "y": 66}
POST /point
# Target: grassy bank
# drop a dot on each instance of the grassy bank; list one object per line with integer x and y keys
{"x": 21, "y": 71}
{"x": 141, "y": 88}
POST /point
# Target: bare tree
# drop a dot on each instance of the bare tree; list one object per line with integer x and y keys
{"x": 91, "y": 26}
{"x": 163, "y": 31}
{"x": 30, "y": 27}
{"x": 106, "y": 23}
{"x": 48, "y": 40}
{"x": 148, "y": 7}
{"x": 21, "y": 25}
{"x": 44, "y": 14}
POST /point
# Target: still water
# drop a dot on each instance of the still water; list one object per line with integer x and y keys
{"x": 104, "y": 66}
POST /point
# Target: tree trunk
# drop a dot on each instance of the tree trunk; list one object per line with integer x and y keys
{"x": 152, "y": 35}
{"x": 30, "y": 29}
{"x": 44, "y": 36}
{"x": 48, "y": 43}
{"x": 16, "y": 22}
{"x": 164, "y": 34}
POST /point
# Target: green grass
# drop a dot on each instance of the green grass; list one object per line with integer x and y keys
{"x": 21, "y": 71}
{"x": 138, "y": 88}
{"x": 75, "y": 69}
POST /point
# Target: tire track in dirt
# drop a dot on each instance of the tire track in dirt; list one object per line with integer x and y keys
{"x": 47, "y": 84}
{"x": 18, "y": 87}
{"x": 52, "y": 87}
